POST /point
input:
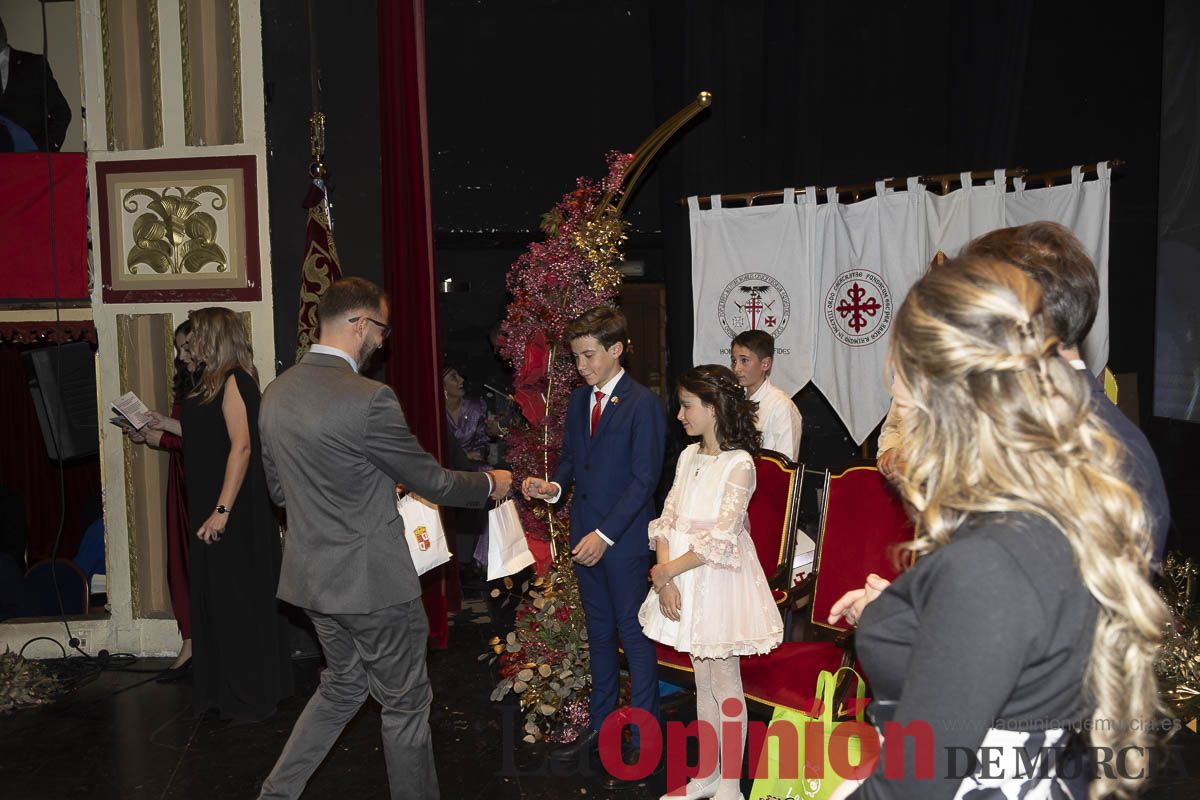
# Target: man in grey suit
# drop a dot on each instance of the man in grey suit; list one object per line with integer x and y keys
{"x": 335, "y": 444}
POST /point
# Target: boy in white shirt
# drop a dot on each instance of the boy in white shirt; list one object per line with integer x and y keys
{"x": 752, "y": 354}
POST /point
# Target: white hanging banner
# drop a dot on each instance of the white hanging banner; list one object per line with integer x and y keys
{"x": 750, "y": 269}
{"x": 1082, "y": 206}
{"x": 958, "y": 217}
{"x": 868, "y": 254}
{"x": 826, "y": 280}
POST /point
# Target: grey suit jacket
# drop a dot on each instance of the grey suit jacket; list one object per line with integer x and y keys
{"x": 334, "y": 446}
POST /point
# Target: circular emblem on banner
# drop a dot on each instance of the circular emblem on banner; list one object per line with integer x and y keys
{"x": 858, "y": 307}
{"x": 754, "y": 301}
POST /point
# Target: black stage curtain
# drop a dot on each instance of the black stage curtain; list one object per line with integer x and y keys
{"x": 827, "y": 92}
{"x": 823, "y": 92}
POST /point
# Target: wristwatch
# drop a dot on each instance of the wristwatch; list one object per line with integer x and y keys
{"x": 222, "y": 509}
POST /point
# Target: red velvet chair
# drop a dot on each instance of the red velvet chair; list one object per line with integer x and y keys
{"x": 773, "y": 511}
{"x": 863, "y": 521}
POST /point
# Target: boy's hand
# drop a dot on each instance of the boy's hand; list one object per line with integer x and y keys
{"x": 590, "y": 550}
{"x": 538, "y": 489}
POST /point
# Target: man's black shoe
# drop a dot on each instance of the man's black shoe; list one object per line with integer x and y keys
{"x": 585, "y": 745}
{"x": 630, "y": 755}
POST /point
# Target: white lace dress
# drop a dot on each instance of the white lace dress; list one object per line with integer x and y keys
{"x": 726, "y": 605}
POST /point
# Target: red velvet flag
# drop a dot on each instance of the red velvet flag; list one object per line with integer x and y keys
{"x": 321, "y": 267}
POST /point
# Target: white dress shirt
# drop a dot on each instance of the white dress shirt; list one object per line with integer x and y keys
{"x": 778, "y": 419}
{"x": 326, "y": 350}
{"x": 608, "y": 388}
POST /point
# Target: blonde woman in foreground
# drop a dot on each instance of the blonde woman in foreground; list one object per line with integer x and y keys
{"x": 1027, "y": 614}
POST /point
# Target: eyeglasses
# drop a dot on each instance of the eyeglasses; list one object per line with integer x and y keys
{"x": 387, "y": 329}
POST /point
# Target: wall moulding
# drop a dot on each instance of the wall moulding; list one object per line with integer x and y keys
{"x": 179, "y": 230}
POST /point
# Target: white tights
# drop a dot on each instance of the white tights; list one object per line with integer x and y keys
{"x": 717, "y": 680}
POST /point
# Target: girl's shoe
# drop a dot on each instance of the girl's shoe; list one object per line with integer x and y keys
{"x": 695, "y": 790}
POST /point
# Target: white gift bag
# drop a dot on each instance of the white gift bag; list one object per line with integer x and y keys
{"x": 508, "y": 552}
{"x": 423, "y": 532}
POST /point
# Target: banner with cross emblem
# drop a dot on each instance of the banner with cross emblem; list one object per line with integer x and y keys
{"x": 826, "y": 279}
{"x": 751, "y": 271}
{"x": 867, "y": 254}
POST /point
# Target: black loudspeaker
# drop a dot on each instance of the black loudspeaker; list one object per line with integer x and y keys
{"x": 62, "y": 380}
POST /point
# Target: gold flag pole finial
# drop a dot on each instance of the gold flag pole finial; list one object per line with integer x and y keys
{"x": 316, "y": 144}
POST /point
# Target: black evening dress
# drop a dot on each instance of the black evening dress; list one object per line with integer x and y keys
{"x": 241, "y": 663}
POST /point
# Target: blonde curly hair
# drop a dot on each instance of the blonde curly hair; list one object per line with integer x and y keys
{"x": 1000, "y": 423}
{"x": 219, "y": 341}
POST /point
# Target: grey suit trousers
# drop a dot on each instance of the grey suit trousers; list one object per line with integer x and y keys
{"x": 383, "y": 653}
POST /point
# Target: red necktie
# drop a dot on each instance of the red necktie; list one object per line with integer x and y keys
{"x": 596, "y": 412}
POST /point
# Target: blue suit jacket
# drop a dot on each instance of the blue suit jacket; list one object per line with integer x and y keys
{"x": 616, "y": 471}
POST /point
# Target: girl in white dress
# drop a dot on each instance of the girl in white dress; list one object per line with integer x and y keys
{"x": 710, "y": 598}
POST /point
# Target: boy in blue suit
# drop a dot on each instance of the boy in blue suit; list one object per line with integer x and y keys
{"x": 612, "y": 452}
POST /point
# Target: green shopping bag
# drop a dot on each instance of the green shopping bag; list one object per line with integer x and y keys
{"x": 810, "y": 774}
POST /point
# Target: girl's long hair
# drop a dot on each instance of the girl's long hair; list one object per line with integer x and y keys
{"x": 717, "y": 387}
{"x": 184, "y": 381}
{"x": 219, "y": 344}
{"x": 1001, "y": 423}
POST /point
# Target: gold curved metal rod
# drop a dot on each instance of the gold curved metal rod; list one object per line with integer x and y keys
{"x": 654, "y": 143}
{"x": 650, "y": 144}
{"x": 666, "y": 130}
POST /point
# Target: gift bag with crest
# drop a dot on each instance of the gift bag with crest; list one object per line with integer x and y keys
{"x": 423, "y": 532}
{"x": 508, "y": 552}
{"x": 808, "y": 775}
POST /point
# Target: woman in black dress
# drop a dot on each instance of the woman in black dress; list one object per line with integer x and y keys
{"x": 1028, "y": 614}
{"x": 240, "y": 651}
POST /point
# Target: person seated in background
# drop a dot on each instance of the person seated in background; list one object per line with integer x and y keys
{"x": 466, "y": 417}
{"x": 888, "y": 452}
{"x": 751, "y": 356}
{"x": 30, "y": 98}
{"x": 14, "y": 138}
{"x": 466, "y": 423}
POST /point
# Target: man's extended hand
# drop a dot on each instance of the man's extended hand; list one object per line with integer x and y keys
{"x": 501, "y": 483}
{"x": 538, "y": 489}
{"x": 590, "y": 550}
